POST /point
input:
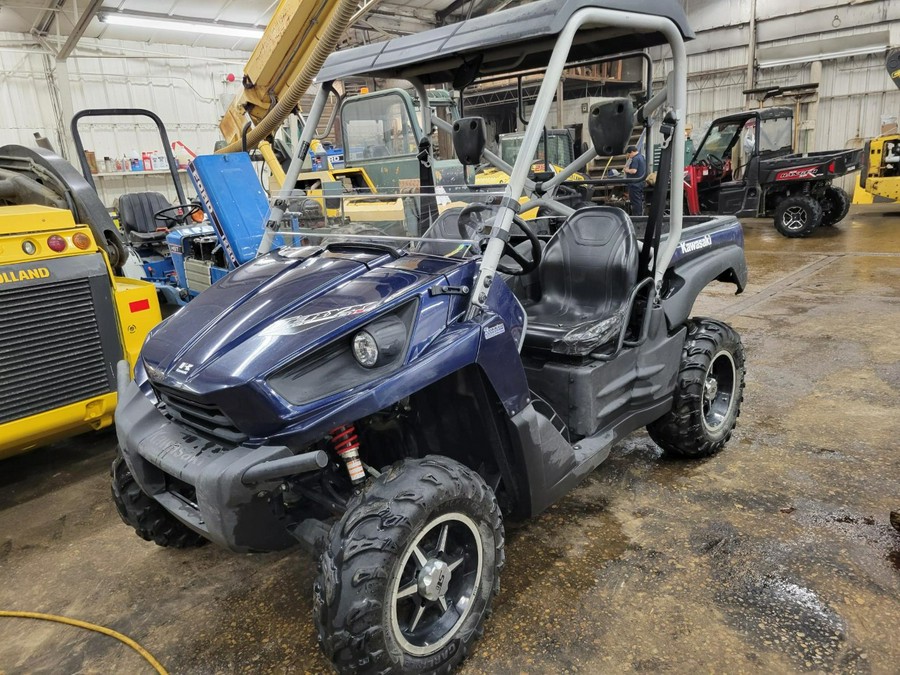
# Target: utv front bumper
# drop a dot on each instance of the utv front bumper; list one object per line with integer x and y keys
{"x": 202, "y": 484}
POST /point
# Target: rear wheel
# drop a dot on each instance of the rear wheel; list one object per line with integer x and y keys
{"x": 150, "y": 521}
{"x": 835, "y": 205}
{"x": 409, "y": 572}
{"x": 797, "y": 216}
{"x": 708, "y": 392}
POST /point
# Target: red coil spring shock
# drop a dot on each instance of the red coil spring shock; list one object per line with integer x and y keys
{"x": 346, "y": 444}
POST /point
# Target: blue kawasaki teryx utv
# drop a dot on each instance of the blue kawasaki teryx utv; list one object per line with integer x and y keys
{"x": 416, "y": 367}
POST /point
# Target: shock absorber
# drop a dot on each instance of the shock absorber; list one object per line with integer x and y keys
{"x": 346, "y": 444}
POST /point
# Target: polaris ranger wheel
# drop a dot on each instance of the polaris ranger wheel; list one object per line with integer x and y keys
{"x": 835, "y": 205}
{"x": 708, "y": 392}
{"x": 797, "y": 215}
{"x": 407, "y": 578}
{"x": 150, "y": 520}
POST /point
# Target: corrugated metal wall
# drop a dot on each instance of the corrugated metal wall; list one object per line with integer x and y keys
{"x": 184, "y": 86}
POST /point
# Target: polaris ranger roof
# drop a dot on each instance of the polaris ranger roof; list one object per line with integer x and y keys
{"x": 514, "y": 39}
{"x": 763, "y": 113}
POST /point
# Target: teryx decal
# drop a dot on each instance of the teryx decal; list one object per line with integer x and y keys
{"x": 295, "y": 323}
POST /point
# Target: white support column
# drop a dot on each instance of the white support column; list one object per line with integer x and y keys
{"x": 60, "y": 93}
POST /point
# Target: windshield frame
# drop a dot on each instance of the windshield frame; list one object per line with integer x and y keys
{"x": 672, "y": 99}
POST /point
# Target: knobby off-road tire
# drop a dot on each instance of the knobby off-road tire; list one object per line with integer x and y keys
{"x": 797, "y": 215}
{"x": 409, "y": 572}
{"x": 835, "y": 205}
{"x": 708, "y": 392}
{"x": 140, "y": 511}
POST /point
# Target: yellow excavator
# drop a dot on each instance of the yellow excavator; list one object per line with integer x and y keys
{"x": 879, "y": 175}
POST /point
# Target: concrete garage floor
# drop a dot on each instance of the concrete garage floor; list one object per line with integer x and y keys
{"x": 774, "y": 556}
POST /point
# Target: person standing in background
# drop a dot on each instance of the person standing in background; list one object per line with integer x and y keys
{"x": 636, "y": 167}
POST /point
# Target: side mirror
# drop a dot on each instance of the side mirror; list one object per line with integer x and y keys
{"x": 469, "y": 139}
{"x": 610, "y": 124}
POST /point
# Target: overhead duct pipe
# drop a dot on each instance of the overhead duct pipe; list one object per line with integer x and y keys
{"x": 286, "y": 104}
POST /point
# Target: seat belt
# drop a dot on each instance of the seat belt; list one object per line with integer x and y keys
{"x": 647, "y": 256}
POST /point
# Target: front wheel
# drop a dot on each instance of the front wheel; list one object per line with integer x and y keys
{"x": 835, "y": 205}
{"x": 406, "y": 581}
{"x": 797, "y": 215}
{"x": 151, "y": 522}
{"x": 708, "y": 392}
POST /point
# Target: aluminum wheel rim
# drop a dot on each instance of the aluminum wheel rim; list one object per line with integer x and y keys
{"x": 794, "y": 218}
{"x": 434, "y": 586}
{"x": 719, "y": 387}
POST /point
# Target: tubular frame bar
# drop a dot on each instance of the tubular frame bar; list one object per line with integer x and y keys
{"x": 541, "y": 109}
{"x": 276, "y": 213}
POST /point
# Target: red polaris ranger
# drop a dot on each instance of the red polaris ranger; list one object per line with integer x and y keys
{"x": 745, "y": 166}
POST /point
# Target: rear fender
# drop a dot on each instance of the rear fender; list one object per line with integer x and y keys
{"x": 684, "y": 282}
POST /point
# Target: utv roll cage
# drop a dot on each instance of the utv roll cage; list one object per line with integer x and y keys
{"x": 741, "y": 118}
{"x": 543, "y": 36}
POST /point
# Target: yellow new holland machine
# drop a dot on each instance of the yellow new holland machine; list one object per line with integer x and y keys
{"x": 67, "y": 316}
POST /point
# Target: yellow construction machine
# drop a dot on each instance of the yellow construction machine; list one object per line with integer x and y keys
{"x": 68, "y": 316}
{"x": 299, "y": 37}
{"x": 879, "y": 175}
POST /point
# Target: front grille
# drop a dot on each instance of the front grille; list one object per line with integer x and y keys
{"x": 206, "y": 418}
{"x": 50, "y": 348}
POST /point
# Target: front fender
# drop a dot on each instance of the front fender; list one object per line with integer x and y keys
{"x": 490, "y": 341}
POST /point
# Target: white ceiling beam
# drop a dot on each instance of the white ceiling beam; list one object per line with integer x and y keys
{"x": 44, "y": 20}
{"x": 366, "y": 7}
{"x": 80, "y": 27}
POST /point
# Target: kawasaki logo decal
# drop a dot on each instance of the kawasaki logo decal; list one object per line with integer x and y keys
{"x": 695, "y": 244}
{"x": 14, "y": 276}
{"x": 494, "y": 331}
{"x": 184, "y": 368}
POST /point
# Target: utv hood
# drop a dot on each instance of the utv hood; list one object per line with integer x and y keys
{"x": 275, "y": 308}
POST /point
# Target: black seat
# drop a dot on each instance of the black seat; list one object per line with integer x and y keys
{"x": 136, "y": 216}
{"x": 588, "y": 271}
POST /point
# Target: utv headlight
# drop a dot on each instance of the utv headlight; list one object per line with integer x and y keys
{"x": 380, "y": 342}
{"x": 365, "y": 349}
{"x": 374, "y": 350}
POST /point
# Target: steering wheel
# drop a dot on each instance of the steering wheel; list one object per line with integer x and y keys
{"x": 177, "y": 214}
{"x": 467, "y": 225}
{"x": 713, "y": 162}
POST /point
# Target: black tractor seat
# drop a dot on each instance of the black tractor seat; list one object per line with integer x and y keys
{"x": 136, "y": 212}
{"x": 585, "y": 279}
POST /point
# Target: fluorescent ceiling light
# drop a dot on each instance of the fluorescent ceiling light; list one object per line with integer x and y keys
{"x": 181, "y": 26}
{"x": 823, "y": 49}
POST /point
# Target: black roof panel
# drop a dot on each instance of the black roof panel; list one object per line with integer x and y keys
{"x": 764, "y": 113}
{"x": 505, "y": 41}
